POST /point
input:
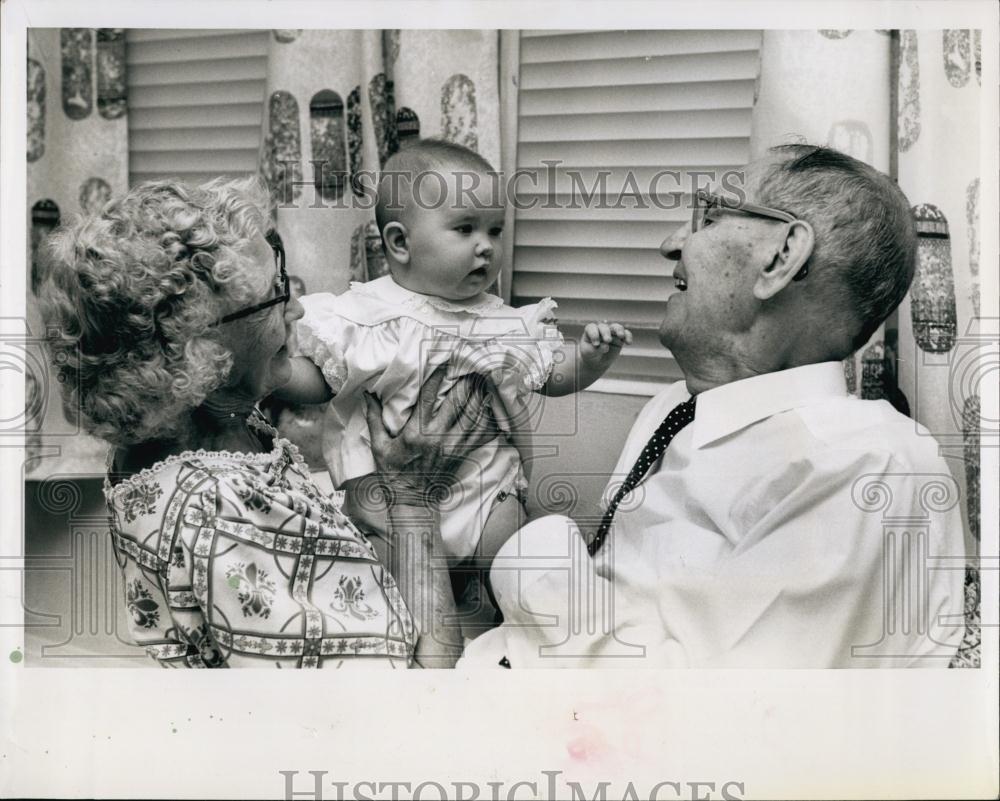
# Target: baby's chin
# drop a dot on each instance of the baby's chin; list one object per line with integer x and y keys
{"x": 457, "y": 296}
{"x": 465, "y": 291}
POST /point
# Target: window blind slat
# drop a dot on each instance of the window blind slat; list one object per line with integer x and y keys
{"x": 161, "y": 34}
{"x": 196, "y": 48}
{"x": 217, "y": 161}
{"x": 640, "y": 71}
{"x": 528, "y": 34}
{"x": 161, "y": 119}
{"x": 599, "y": 287}
{"x": 203, "y": 138}
{"x": 224, "y": 69}
{"x": 662, "y": 97}
{"x": 675, "y": 209}
{"x": 620, "y": 262}
{"x": 616, "y": 290}
{"x": 586, "y": 233}
{"x": 189, "y": 177}
{"x": 702, "y": 124}
{"x": 638, "y": 153}
{"x": 662, "y": 180}
{"x": 585, "y": 45}
{"x": 209, "y": 93}
{"x": 645, "y": 316}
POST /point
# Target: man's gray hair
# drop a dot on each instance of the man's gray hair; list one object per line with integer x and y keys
{"x": 866, "y": 243}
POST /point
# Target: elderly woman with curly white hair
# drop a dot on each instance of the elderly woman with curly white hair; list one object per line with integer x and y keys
{"x": 172, "y": 307}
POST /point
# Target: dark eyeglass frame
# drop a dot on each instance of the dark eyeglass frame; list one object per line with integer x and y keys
{"x": 705, "y": 201}
{"x": 279, "y": 258}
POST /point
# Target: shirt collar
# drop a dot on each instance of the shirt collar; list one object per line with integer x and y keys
{"x": 387, "y": 289}
{"x": 726, "y": 409}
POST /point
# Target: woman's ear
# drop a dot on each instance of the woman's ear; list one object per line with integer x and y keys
{"x": 396, "y": 240}
{"x": 789, "y": 263}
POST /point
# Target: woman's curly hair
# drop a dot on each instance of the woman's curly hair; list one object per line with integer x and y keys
{"x": 130, "y": 296}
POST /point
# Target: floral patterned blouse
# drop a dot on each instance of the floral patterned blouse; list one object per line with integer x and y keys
{"x": 239, "y": 560}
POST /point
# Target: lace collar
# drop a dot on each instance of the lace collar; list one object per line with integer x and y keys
{"x": 281, "y": 447}
{"x": 386, "y": 289}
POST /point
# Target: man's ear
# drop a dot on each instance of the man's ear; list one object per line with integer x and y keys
{"x": 788, "y": 263}
{"x": 396, "y": 240}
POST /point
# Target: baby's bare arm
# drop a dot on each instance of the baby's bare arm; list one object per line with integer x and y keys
{"x": 584, "y": 362}
{"x": 306, "y": 385}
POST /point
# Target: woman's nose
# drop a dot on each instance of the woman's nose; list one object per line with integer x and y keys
{"x": 293, "y": 310}
{"x": 672, "y": 246}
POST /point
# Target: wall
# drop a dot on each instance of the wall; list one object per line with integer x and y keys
{"x": 579, "y": 437}
{"x": 74, "y": 601}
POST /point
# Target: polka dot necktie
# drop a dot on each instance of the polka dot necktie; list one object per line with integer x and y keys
{"x": 681, "y": 415}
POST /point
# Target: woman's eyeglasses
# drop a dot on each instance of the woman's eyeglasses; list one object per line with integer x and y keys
{"x": 282, "y": 292}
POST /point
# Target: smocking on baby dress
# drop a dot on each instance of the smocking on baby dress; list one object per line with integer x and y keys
{"x": 386, "y": 339}
{"x": 238, "y": 560}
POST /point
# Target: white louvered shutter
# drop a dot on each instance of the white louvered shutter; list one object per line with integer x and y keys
{"x": 196, "y": 99}
{"x": 624, "y": 101}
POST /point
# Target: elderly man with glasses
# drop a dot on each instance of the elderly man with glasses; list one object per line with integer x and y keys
{"x": 759, "y": 515}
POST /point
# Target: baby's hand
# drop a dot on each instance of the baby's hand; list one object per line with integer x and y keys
{"x": 601, "y": 342}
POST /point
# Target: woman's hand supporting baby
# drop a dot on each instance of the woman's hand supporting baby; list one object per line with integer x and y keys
{"x": 583, "y": 362}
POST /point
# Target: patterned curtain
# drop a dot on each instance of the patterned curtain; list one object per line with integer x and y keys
{"x": 834, "y": 86}
{"x": 339, "y": 103}
{"x": 77, "y": 151}
{"x": 943, "y": 353}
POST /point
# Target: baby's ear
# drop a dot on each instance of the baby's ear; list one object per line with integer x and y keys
{"x": 395, "y": 238}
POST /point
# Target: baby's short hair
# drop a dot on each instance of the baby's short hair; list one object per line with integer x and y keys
{"x": 423, "y": 156}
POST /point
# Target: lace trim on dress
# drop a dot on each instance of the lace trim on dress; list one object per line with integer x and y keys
{"x": 255, "y": 420}
{"x": 415, "y": 300}
{"x": 312, "y": 346}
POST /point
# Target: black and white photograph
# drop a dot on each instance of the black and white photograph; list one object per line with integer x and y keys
{"x": 638, "y": 367}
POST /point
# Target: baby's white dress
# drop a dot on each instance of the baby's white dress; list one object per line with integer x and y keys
{"x": 384, "y": 338}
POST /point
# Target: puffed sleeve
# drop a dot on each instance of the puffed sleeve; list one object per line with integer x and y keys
{"x": 540, "y": 322}
{"x": 324, "y": 336}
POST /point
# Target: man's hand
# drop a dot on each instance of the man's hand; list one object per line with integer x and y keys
{"x": 601, "y": 343}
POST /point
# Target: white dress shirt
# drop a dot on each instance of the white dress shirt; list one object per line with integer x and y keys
{"x": 789, "y": 525}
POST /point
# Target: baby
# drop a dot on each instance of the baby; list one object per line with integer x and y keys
{"x": 441, "y": 224}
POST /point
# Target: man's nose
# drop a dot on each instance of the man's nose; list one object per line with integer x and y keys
{"x": 672, "y": 246}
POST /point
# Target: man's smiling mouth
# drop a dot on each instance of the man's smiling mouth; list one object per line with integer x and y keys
{"x": 680, "y": 277}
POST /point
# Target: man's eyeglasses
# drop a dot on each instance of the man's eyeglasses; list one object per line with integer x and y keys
{"x": 704, "y": 202}
{"x": 282, "y": 292}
